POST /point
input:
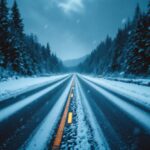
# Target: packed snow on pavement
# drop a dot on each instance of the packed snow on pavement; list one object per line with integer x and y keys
{"x": 97, "y": 134}
{"x": 139, "y": 81}
{"x": 40, "y": 138}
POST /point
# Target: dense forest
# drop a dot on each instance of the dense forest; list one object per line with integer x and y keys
{"x": 128, "y": 54}
{"x": 22, "y": 54}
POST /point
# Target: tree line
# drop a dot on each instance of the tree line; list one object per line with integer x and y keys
{"x": 127, "y": 54}
{"x": 22, "y": 54}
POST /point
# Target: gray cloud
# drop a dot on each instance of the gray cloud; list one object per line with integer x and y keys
{"x": 69, "y": 6}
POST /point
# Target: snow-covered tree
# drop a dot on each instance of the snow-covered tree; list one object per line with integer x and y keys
{"x": 118, "y": 48}
{"x": 128, "y": 53}
{"x": 4, "y": 35}
{"x": 147, "y": 44}
{"x": 138, "y": 59}
{"x": 137, "y": 15}
{"x": 20, "y": 58}
{"x": 19, "y": 53}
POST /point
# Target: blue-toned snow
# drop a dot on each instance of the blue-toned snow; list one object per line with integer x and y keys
{"x": 10, "y": 110}
{"x": 134, "y": 112}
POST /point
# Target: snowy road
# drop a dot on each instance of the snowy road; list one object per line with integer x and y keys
{"x": 104, "y": 116}
{"x": 20, "y": 116}
{"x": 124, "y": 122}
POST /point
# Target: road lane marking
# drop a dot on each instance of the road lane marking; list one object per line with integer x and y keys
{"x": 59, "y": 134}
{"x": 70, "y": 117}
{"x": 46, "y": 128}
{"x": 72, "y": 95}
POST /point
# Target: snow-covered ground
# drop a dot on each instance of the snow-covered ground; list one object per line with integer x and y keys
{"x": 13, "y": 87}
{"x": 129, "y": 80}
{"x": 136, "y": 92}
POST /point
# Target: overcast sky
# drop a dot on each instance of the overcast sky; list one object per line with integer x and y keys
{"x": 75, "y": 27}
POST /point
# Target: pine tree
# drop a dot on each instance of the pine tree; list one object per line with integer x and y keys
{"x": 118, "y": 48}
{"x": 129, "y": 51}
{"x": 19, "y": 56}
{"x": 138, "y": 59}
{"x": 147, "y": 40}
{"x": 48, "y": 57}
{"x": 107, "y": 53}
{"x": 4, "y": 35}
{"x": 19, "y": 52}
{"x": 137, "y": 15}
{"x": 48, "y": 48}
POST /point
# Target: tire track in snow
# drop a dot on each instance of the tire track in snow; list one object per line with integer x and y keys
{"x": 130, "y": 130}
{"x": 10, "y": 110}
{"x": 97, "y": 134}
{"x": 42, "y": 136}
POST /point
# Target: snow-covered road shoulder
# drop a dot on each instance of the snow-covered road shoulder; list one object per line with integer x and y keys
{"x": 138, "y": 93}
{"x": 14, "y": 87}
{"x": 139, "y": 81}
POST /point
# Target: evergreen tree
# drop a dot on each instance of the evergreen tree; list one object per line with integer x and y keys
{"x": 4, "y": 35}
{"x": 137, "y": 56}
{"x": 137, "y": 15}
{"x": 128, "y": 53}
{"x": 32, "y": 53}
{"x": 22, "y": 54}
{"x": 48, "y": 58}
{"x": 19, "y": 56}
{"x": 48, "y": 49}
{"x": 147, "y": 45}
{"x": 118, "y": 47}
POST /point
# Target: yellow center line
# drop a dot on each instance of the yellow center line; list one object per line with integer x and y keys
{"x": 59, "y": 135}
{"x": 70, "y": 117}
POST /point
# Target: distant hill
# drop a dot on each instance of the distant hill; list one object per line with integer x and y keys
{"x": 74, "y": 62}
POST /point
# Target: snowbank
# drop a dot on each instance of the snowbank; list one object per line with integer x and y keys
{"x": 141, "y": 81}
